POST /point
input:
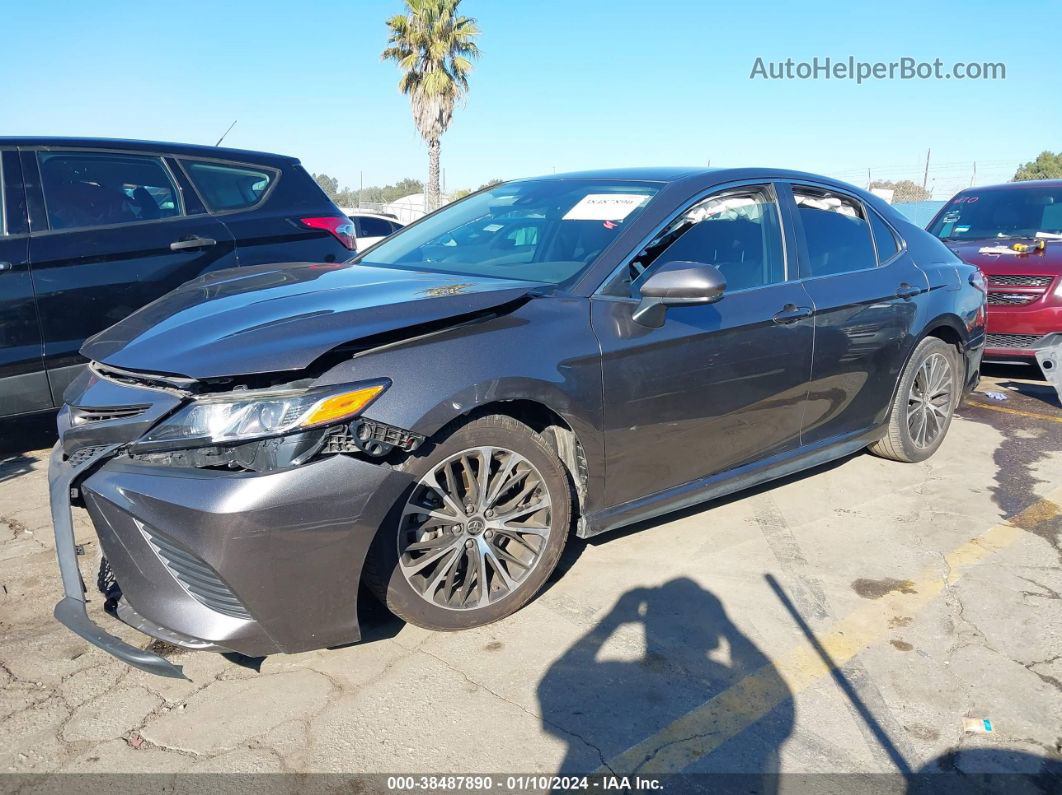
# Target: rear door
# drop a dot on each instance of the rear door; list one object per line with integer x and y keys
{"x": 110, "y": 232}
{"x": 23, "y": 384}
{"x": 276, "y": 212}
{"x": 864, "y": 286}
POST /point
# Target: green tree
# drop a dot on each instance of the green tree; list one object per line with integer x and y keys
{"x": 904, "y": 190}
{"x": 1047, "y": 165}
{"x": 346, "y": 198}
{"x": 330, "y": 185}
{"x": 405, "y": 187}
{"x": 490, "y": 183}
{"x": 434, "y": 48}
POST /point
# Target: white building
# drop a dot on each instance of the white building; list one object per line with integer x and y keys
{"x": 410, "y": 208}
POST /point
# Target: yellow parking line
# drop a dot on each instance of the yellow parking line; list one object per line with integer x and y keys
{"x": 707, "y": 727}
{"x": 1019, "y": 412}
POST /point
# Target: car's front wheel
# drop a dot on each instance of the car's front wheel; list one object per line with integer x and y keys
{"x": 926, "y": 397}
{"x": 480, "y": 531}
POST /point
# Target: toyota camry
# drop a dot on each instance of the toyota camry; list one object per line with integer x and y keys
{"x": 436, "y": 417}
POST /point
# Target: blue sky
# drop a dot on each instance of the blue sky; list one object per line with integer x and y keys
{"x": 562, "y": 84}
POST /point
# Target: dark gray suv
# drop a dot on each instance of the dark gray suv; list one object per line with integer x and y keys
{"x": 549, "y": 356}
{"x": 91, "y": 229}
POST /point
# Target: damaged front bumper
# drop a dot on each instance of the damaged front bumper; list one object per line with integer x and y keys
{"x": 71, "y": 610}
{"x": 254, "y": 563}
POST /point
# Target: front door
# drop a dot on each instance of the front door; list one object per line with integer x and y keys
{"x": 116, "y": 234}
{"x": 719, "y": 385}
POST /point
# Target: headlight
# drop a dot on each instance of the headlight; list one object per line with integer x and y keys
{"x": 245, "y": 416}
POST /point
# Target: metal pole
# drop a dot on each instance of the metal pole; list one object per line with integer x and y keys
{"x": 925, "y": 177}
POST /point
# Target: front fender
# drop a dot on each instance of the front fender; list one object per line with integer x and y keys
{"x": 544, "y": 351}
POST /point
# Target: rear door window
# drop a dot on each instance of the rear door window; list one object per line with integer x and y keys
{"x": 83, "y": 189}
{"x": 835, "y": 230}
{"x": 229, "y": 186}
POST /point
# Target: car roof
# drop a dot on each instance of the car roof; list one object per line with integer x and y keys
{"x": 647, "y": 174}
{"x": 370, "y": 213}
{"x": 125, "y": 144}
{"x": 694, "y": 174}
{"x": 1025, "y": 183}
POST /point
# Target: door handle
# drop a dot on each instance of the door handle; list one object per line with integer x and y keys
{"x": 192, "y": 242}
{"x": 791, "y": 313}
{"x": 6, "y": 266}
{"x": 906, "y": 291}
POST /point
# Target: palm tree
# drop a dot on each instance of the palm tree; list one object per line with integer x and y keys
{"x": 434, "y": 48}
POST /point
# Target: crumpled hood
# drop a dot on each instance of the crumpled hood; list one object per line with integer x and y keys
{"x": 1036, "y": 263}
{"x": 271, "y": 318}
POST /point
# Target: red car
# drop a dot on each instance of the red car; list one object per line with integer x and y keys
{"x": 1013, "y": 233}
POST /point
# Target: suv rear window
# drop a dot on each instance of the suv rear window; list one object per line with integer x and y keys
{"x": 99, "y": 188}
{"x": 229, "y": 186}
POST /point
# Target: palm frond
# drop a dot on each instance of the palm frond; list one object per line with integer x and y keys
{"x": 434, "y": 49}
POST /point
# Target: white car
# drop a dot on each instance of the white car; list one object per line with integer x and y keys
{"x": 370, "y": 228}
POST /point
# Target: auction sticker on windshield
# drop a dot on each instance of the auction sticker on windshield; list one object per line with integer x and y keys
{"x": 605, "y": 207}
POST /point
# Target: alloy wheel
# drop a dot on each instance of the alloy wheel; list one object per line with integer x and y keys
{"x": 930, "y": 401}
{"x": 474, "y": 528}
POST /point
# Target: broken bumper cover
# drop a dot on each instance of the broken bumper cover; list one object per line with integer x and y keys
{"x": 71, "y": 611}
{"x": 255, "y": 563}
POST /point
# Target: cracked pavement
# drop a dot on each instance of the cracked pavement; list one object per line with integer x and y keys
{"x": 639, "y": 629}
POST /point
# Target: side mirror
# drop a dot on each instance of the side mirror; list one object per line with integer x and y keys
{"x": 676, "y": 283}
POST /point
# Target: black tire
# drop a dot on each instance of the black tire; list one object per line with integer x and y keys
{"x": 899, "y": 443}
{"x": 382, "y": 573}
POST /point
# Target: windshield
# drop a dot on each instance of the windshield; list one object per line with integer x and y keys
{"x": 1017, "y": 212}
{"x": 546, "y": 230}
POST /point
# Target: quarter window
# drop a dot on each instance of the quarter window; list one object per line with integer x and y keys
{"x": 884, "y": 237}
{"x": 229, "y": 186}
{"x": 835, "y": 230}
{"x": 98, "y": 188}
{"x": 737, "y": 231}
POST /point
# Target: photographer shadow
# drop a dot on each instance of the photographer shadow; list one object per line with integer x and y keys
{"x": 611, "y": 691}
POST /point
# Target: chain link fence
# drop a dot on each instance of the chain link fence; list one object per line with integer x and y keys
{"x": 406, "y": 210}
{"x": 937, "y": 181}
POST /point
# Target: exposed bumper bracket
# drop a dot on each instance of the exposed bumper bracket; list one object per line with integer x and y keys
{"x": 1049, "y": 356}
{"x": 70, "y": 611}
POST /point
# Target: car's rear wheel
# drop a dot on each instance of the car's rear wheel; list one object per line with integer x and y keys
{"x": 925, "y": 402}
{"x": 478, "y": 533}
